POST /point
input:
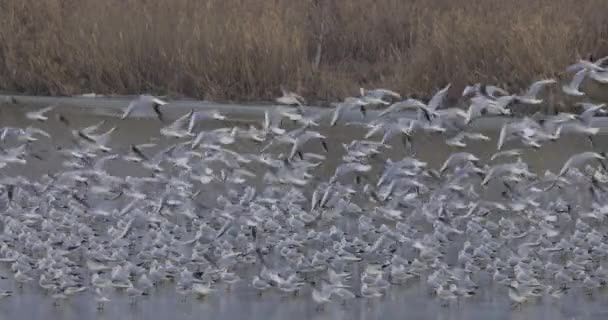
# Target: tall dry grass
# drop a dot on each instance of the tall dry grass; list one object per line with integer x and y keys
{"x": 244, "y": 49}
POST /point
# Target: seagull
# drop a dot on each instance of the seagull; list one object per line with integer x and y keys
{"x": 39, "y": 115}
{"x": 479, "y": 89}
{"x": 457, "y": 140}
{"x": 347, "y": 104}
{"x": 323, "y": 296}
{"x": 583, "y": 64}
{"x": 599, "y": 76}
{"x": 10, "y": 99}
{"x": 5, "y": 293}
{"x": 203, "y": 115}
{"x": 579, "y": 159}
{"x": 409, "y": 103}
{"x": 349, "y": 167}
{"x": 260, "y": 285}
{"x": 136, "y": 153}
{"x": 438, "y": 98}
{"x": 378, "y": 94}
{"x": 573, "y": 88}
{"x": 101, "y": 298}
{"x": 589, "y": 112}
{"x": 531, "y": 96}
{"x": 517, "y": 297}
{"x": 301, "y": 139}
{"x": 507, "y": 153}
{"x": 94, "y": 142}
{"x": 481, "y": 105}
{"x": 526, "y": 128}
{"x": 27, "y": 134}
{"x": 290, "y": 98}
{"x": 516, "y": 168}
{"x": 145, "y": 102}
{"x": 176, "y": 129}
{"x": 458, "y": 158}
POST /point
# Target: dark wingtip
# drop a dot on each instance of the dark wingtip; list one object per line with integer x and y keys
{"x": 159, "y": 114}
{"x": 324, "y": 144}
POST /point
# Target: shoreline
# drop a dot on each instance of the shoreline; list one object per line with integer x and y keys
{"x": 112, "y": 106}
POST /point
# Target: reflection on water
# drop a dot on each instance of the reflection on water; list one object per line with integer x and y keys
{"x": 241, "y": 301}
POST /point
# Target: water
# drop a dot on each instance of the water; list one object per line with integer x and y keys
{"x": 408, "y": 302}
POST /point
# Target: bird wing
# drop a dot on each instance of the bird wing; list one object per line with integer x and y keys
{"x": 428, "y": 114}
{"x": 502, "y": 136}
{"x": 101, "y": 161}
{"x": 299, "y": 99}
{"x": 266, "y": 120}
{"x": 177, "y": 124}
{"x": 446, "y": 163}
{"x": 104, "y": 138}
{"x": 437, "y": 99}
{"x": 566, "y": 166}
{"x": 502, "y": 102}
{"x": 601, "y": 76}
{"x": 493, "y": 90}
{"x": 474, "y": 108}
{"x": 91, "y": 129}
{"x": 336, "y": 115}
{"x": 578, "y": 79}
{"x": 138, "y": 152}
{"x": 601, "y": 61}
{"x": 5, "y": 132}
{"x": 590, "y": 110}
{"x": 386, "y": 92}
{"x": 392, "y": 108}
{"x": 535, "y": 88}
{"x": 584, "y": 65}
{"x": 294, "y": 149}
{"x": 159, "y": 101}
{"x": 82, "y": 135}
{"x": 132, "y": 105}
{"x": 45, "y": 110}
{"x": 38, "y": 131}
{"x": 284, "y": 91}
{"x": 193, "y": 120}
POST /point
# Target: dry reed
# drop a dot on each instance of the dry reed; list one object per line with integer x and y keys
{"x": 325, "y": 49}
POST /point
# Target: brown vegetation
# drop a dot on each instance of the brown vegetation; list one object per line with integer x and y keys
{"x": 325, "y": 49}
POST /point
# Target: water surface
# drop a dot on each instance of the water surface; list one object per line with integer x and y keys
{"x": 241, "y": 302}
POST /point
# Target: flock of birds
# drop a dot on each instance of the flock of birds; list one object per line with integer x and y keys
{"x": 277, "y": 225}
